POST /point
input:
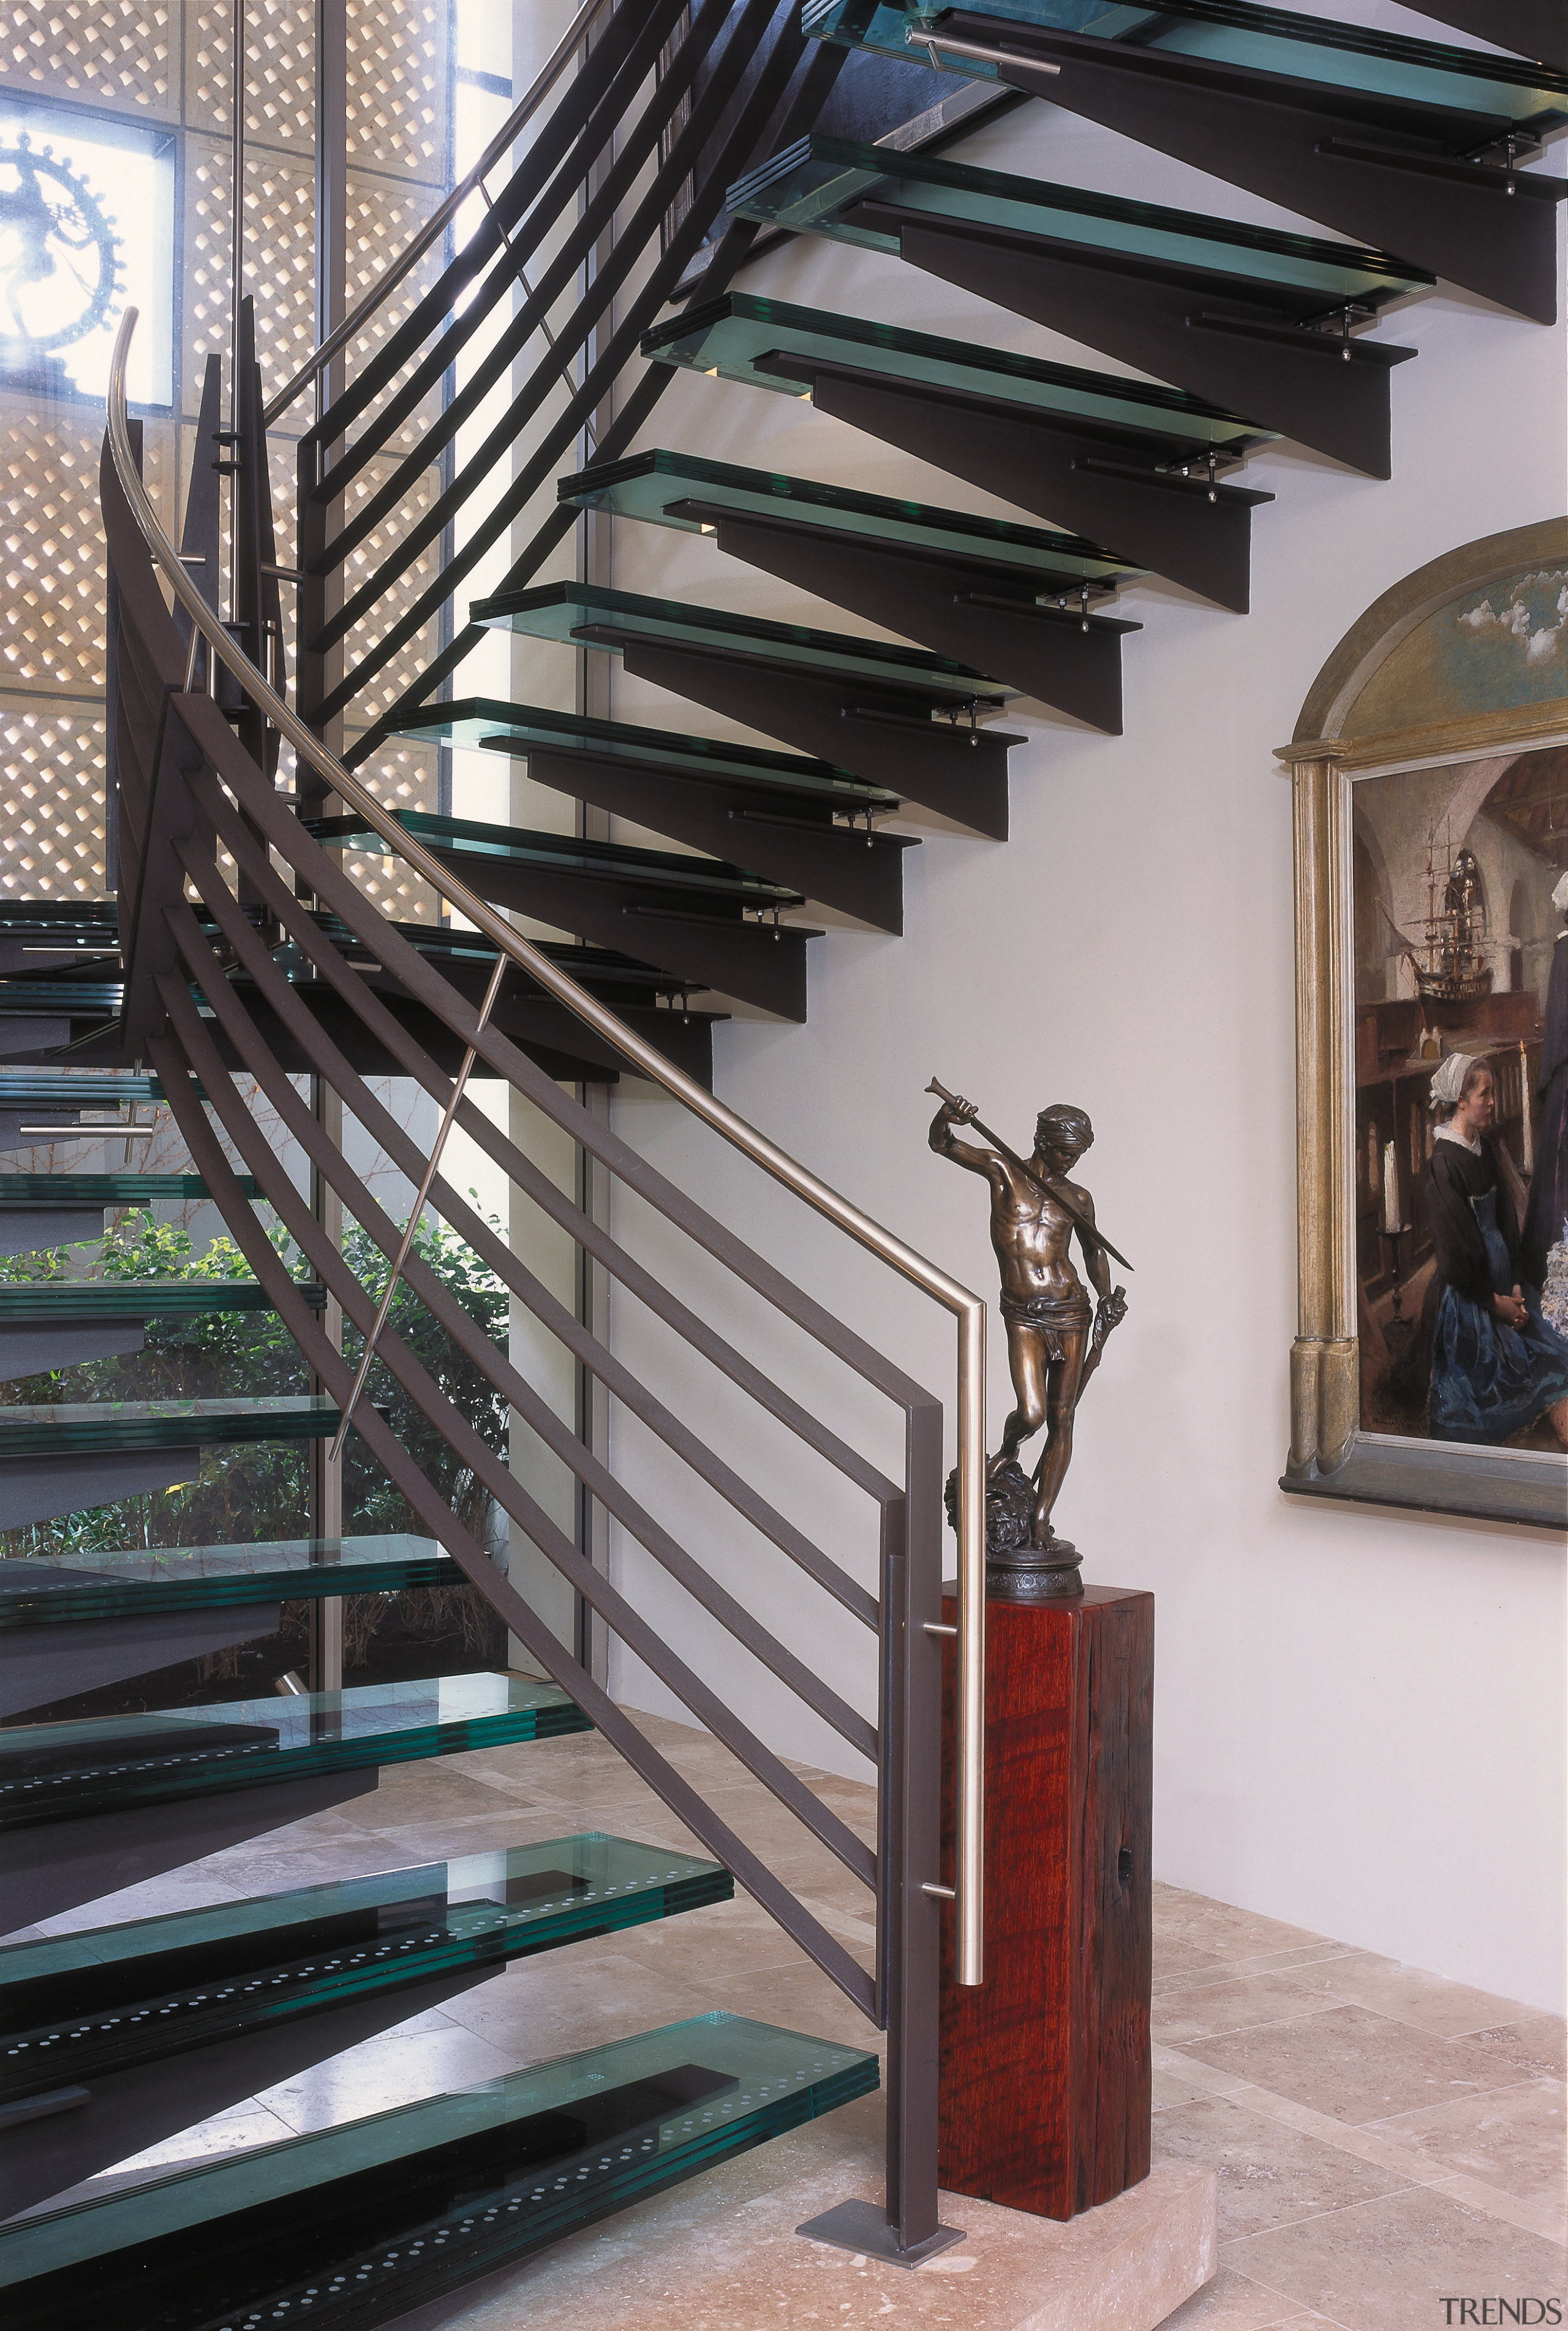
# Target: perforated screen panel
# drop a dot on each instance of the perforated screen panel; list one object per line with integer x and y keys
{"x": 172, "y": 65}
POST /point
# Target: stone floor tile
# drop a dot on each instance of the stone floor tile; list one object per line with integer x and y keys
{"x": 1233, "y": 2303}
{"x": 195, "y": 1887}
{"x": 1353, "y": 2065}
{"x": 798, "y": 1998}
{"x": 1385, "y": 2264}
{"x": 396, "y": 2067}
{"x": 1450, "y": 2010}
{"x": 1512, "y": 2138}
{"x": 1206, "y": 2079}
{"x": 1269, "y": 2174}
{"x": 566, "y": 2000}
{"x": 1223, "y": 1930}
{"x": 1538, "y": 2045}
{"x": 1310, "y": 1955}
{"x": 1192, "y": 2013}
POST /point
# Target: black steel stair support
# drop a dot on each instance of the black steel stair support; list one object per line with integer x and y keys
{"x": 1236, "y": 343}
{"x": 1113, "y": 485}
{"x": 981, "y": 615}
{"x": 883, "y": 735}
{"x": 825, "y": 862}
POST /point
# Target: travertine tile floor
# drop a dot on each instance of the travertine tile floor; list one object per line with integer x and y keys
{"x": 1384, "y": 2138}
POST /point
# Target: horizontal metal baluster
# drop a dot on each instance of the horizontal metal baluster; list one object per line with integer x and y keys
{"x": 486, "y": 1468}
{"x": 368, "y": 1354}
{"x": 299, "y": 1121}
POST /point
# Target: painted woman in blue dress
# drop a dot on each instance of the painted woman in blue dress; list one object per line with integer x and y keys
{"x": 1496, "y": 1363}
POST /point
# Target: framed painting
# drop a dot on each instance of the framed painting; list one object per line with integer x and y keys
{"x": 1429, "y": 769}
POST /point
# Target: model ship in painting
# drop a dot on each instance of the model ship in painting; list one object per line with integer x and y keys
{"x": 1456, "y": 969}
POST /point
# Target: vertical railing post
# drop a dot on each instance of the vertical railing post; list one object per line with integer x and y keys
{"x": 912, "y": 1761}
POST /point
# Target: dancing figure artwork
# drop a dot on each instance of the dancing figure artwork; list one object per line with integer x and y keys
{"x": 1054, "y": 1336}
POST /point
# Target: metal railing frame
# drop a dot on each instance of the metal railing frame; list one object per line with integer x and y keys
{"x": 903, "y": 1761}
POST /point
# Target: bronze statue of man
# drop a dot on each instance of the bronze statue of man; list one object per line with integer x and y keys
{"x": 1053, "y": 1340}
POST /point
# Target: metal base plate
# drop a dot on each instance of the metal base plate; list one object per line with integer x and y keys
{"x": 864, "y": 2227}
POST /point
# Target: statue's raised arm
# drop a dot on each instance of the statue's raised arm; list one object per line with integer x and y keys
{"x": 943, "y": 1141}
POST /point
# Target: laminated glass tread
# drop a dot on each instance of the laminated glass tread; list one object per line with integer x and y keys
{"x": 57, "y": 1300}
{"x": 65, "y": 989}
{"x": 818, "y": 185}
{"x": 732, "y": 339}
{"x": 517, "y": 728}
{"x": 82, "y": 2006}
{"x": 56, "y": 1190}
{"x": 358, "y": 2225}
{"x": 67, "y": 1428}
{"x": 74, "y": 1089}
{"x": 98, "y": 1765}
{"x": 587, "y": 614}
{"x": 140, "y": 1582}
{"x": 594, "y": 968}
{"x": 1348, "y": 58}
{"x": 568, "y": 854}
{"x": 679, "y": 489}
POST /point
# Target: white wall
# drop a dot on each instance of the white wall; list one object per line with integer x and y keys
{"x": 1359, "y": 1715}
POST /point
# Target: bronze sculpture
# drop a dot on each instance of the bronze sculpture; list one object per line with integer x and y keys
{"x": 1054, "y": 1343}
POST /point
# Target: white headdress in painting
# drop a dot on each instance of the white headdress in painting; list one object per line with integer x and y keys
{"x": 1449, "y": 1081}
{"x": 1560, "y": 896}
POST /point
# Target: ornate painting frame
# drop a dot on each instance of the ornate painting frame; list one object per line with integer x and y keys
{"x": 1357, "y": 721}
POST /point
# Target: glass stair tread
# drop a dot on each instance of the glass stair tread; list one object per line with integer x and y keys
{"x": 1433, "y": 76}
{"x": 668, "y": 869}
{"x": 74, "y": 1089}
{"x": 55, "y": 1190}
{"x": 587, "y": 614}
{"x": 67, "y": 992}
{"x": 359, "y": 2224}
{"x": 57, "y": 1300}
{"x": 599, "y": 969}
{"x": 517, "y": 728}
{"x": 103, "y": 1764}
{"x": 139, "y": 1582}
{"x": 66, "y": 1428}
{"x": 732, "y": 336}
{"x": 681, "y": 490}
{"x": 814, "y": 185}
{"x": 83, "y": 2005}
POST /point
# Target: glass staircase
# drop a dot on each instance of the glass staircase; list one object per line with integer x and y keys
{"x": 689, "y": 914}
{"x": 268, "y": 962}
{"x": 1127, "y": 461}
{"x": 896, "y": 716}
{"x": 1253, "y": 315}
{"x": 806, "y": 824}
{"x": 114, "y": 2034}
{"x": 1409, "y": 144}
{"x": 361, "y": 2224}
{"x": 980, "y": 589}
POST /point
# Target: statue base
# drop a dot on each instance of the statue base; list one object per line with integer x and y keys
{"x": 1045, "y": 2068}
{"x": 1015, "y": 1567}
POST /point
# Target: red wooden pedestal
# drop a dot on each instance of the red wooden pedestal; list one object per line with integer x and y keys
{"x": 1045, "y": 2069}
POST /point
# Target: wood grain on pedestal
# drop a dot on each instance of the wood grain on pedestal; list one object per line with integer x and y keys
{"x": 1045, "y": 2069}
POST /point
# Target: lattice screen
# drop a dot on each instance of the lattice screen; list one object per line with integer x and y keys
{"x": 399, "y": 84}
{"x": 52, "y": 801}
{"x": 171, "y": 63}
{"x": 404, "y": 776}
{"x": 114, "y": 54}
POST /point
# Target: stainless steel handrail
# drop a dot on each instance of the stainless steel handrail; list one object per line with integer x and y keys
{"x": 337, "y": 341}
{"x": 970, "y": 1310}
